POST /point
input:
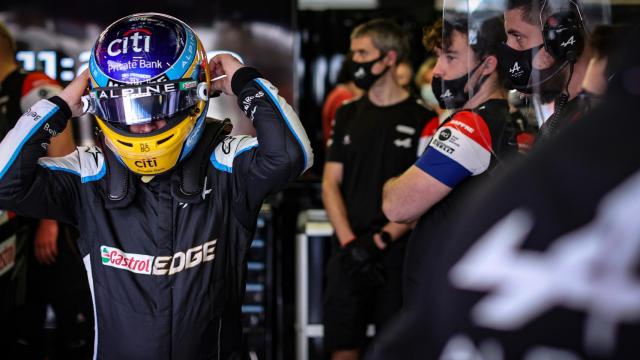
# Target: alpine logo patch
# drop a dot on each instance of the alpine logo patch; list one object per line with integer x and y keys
{"x": 515, "y": 68}
{"x": 570, "y": 41}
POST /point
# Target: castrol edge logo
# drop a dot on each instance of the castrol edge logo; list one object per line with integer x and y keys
{"x": 158, "y": 265}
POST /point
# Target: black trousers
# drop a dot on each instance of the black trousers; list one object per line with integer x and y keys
{"x": 349, "y": 308}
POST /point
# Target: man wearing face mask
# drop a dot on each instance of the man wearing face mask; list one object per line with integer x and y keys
{"x": 374, "y": 139}
{"x": 467, "y": 146}
{"x": 605, "y": 41}
{"x": 544, "y": 264}
{"x": 546, "y": 54}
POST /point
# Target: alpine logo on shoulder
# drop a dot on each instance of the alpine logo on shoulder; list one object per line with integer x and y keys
{"x": 93, "y": 151}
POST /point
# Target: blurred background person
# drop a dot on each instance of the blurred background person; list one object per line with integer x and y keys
{"x": 604, "y": 41}
{"x": 374, "y": 138}
{"x": 548, "y": 272}
{"x": 522, "y": 122}
{"x": 344, "y": 91}
{"x": 46, "y": 269}
{"x": 404, "y": 74}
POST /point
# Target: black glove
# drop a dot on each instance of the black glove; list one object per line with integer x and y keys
{"x": 360, "y": 259}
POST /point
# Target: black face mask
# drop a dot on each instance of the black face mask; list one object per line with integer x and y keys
{"x": 450, "y": 93}
{"x": 517, "y": 66}
{"x": 362, "y": 75}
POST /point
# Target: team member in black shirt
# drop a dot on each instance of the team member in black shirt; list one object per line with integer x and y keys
{"x": 467, "y": 146}
{"x": 374, "y": 139}
{"x": 546, "y": 53}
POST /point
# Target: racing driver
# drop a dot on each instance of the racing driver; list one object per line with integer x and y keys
{"x": 166, "y": 202}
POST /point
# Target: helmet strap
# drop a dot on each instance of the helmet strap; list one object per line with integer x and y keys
{"x": 119, "y": 189}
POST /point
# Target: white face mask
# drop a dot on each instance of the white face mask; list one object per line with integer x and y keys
{"x": 428, "y": 96}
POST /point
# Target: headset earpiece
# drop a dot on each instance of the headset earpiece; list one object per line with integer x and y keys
{"x": 563, "y": 35}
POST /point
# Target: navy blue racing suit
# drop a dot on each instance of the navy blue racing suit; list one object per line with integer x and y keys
{"x": 167, "y": 276}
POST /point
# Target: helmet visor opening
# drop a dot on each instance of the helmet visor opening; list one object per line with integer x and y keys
{"x": 171, "y": 122}
{"x": 141, "y": 104}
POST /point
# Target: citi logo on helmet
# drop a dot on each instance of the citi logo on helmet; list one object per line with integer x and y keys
{"x": 158, "y": 265}
{"x": 135, "y": 42}
{"x": 149, "y": 163}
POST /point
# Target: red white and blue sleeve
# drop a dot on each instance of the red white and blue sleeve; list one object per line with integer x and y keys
{"x": 427, "y": 134}
{"x": 37, "y": 86}
{"x": 460, "y": 148}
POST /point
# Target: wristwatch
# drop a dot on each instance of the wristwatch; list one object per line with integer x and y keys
{"x": 386, "y": 237}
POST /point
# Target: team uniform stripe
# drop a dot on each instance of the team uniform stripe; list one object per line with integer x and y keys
{"x": 442, "y": 167}
{"x": 87, "y": 265}
{"x": 223, "y": 160}
{"x": 292, "y": 121}
{"x": 88, "y": 165}
{"x": 220, "y": 166}
{"x": 98, "y": 176}
{"x": 462, "y": 149}
{"x": 246, "y": 149}
{"x": 13, "y": 142}
{"x": 473, "y": 126}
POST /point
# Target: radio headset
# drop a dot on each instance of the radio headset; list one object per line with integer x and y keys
{"x": 563, "y": 34}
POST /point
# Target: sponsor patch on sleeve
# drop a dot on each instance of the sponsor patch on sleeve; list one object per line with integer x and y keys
{"x": 459, "y": 148}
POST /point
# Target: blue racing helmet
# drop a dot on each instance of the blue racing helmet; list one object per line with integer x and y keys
{"x": 143, "y": 68}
